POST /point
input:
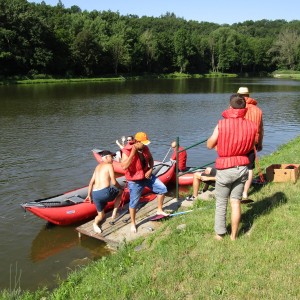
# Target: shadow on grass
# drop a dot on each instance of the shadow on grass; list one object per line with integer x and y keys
{"x": 261, "y": 208}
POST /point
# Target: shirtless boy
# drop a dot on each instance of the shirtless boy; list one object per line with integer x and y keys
{"x": 100, "y": 190}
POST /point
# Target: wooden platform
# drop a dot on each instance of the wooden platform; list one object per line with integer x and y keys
{"x": 117, "y": 234}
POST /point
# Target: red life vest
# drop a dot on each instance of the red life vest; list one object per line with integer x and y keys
{"x": 135, "y": 171}
{"x": 254, "y": 114}
{"x": 235, "y": 139}
{"x": 182, "y": 156}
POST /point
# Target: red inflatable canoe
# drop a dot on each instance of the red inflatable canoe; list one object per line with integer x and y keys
{"x": 70, "y": 207}
{"x": 186, "y": 179}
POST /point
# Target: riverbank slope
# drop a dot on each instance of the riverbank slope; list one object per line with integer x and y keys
{"x": 188, "y": 263}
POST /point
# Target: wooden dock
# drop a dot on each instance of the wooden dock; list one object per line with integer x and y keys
{"x": 119, "y": 233}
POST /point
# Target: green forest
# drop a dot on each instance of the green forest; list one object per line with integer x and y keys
{"x": 43, "y": 40}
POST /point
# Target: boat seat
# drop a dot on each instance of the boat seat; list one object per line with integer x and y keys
{"x": 75, "y": 199}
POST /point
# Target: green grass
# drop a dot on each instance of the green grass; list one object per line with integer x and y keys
{"x": 52, "y": 80}
{"x": 263, "y": 263}
{"x": 41, "y": 78}
{"x": 286, "y": 74}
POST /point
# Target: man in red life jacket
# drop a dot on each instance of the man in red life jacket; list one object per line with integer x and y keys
{"x": 234, "y": 137}
{"x": 137, "y": 161}
{"x": 182, "y": 157}
{"x": 254, "y": 114}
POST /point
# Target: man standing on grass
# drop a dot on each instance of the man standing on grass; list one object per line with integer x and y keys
{"x": 254, "y": 114}
{"x": 233, "y": 137}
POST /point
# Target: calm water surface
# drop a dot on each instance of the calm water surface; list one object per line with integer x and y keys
{"x": 48, "y": 132}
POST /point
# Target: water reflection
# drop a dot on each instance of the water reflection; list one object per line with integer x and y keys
{"x": 52, "y": 240}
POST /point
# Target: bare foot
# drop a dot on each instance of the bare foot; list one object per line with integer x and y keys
{"x": 96, "y": 228}
{"x": 233, "y": 238}
{"x": 162, "y": 213}
{"x": 219, "y": 237}
{"x": 133, "y": 229}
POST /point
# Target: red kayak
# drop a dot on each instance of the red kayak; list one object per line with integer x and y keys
{"x": 186, "y": 179}
{"x": 70, "y": 207}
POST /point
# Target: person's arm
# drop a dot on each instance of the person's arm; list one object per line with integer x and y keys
{"x": 113, "y": 177}
{"x": 173, "y": 156}
{"x": 213, "y": 139}
{"x": 126, "y": 160}
{"x": 90, "y": 189}
{"x": 261, "y": 136}
{"x": 120, "y": 145}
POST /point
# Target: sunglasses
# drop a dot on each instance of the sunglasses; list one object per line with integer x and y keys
{"x": 129, "y": 140}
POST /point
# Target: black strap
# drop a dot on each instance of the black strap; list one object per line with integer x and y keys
{"x": 142, "y": 159}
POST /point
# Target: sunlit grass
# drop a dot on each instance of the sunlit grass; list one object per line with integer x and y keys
{"x": 188, "y": 263}
{"x": 287, "y": 74}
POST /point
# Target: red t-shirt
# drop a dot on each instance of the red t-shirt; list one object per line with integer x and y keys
{"x": 182, "y": 157}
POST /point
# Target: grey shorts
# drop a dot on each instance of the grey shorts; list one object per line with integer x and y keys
{"x": 230, "y": 182}
{"x": 229, "y": 185}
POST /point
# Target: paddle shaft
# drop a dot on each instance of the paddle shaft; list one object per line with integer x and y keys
{"x": 167, "y": 154}
{"x": 119, "y": 217}
{"x": 138, "y": 208}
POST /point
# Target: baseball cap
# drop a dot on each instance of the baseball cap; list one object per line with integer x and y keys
{"x": 142, "y": 137}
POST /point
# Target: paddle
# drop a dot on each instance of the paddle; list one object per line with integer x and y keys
{"x": 159, "y": 217}
{"x": 167, "y": 154}
{"x": 119, "y": 217}
{"x": 141, "y": 205}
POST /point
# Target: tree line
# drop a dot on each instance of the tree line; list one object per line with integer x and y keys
{"x": 40, "y": 39}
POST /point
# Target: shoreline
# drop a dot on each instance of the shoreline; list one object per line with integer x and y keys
{"x": 173, "y": 257}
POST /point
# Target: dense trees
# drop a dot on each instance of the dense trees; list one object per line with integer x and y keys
{"x": 43, "y": 39}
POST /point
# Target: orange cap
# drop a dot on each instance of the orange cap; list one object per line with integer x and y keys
{"x": 142, "y": 137}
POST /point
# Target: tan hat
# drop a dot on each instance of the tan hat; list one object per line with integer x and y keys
{"x": 243, "y": 91}
{"x": 142, "y": 137}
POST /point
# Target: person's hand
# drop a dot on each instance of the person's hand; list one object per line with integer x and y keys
{"x": 88, "y": 199}
{"x": 148, "y": 173}
{"x": 259, "y": 148}
{"x": 133, "y": 151}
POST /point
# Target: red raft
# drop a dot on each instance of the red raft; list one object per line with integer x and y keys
{"x": 70, "y": 207}
{"x": 185, "y": 179}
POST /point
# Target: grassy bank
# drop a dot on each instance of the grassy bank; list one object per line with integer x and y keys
{"x": 188, "y": 263}
{"x": 48, "y": 79}
{"x": 287, "y": 74}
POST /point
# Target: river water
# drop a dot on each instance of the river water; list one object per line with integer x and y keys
{"x": 49, "y": 130}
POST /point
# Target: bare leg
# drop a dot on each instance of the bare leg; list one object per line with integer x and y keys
{"x": 98, "y": 219}
{"x": 235, "y": 217}
{"x": 132, "y": 212}
{"x": 196, "y": 184}
{"x": 248, "y": 184}
{"x": 116, "y": 206}
{"x": 160, "y": 202}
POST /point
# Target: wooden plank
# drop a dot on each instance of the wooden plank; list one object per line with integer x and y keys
{"x": 120, "y": 232}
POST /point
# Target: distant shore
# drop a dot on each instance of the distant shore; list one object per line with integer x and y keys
{"x": 50, "y": 79}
